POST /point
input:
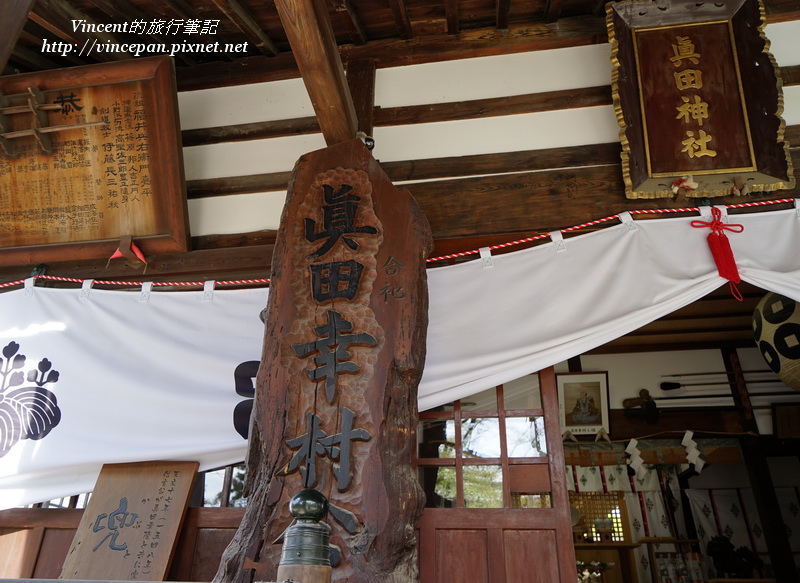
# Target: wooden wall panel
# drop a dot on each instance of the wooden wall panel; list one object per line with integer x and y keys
{"x": 531, "y": 556}
{"x": 205, "y": 535}
{"x": 45, "y": 536}
{"x": 529, "y": 478}
{"x": 55, "y": 546}
{"x": 18, "y": 551}
{"x": 34, "y": 542}
{"x": 461, "y": 555}
{"x": 210, "y": 544}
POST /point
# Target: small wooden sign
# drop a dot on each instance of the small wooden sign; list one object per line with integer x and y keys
{"x": 89, "y": 155}
{"x": 687, "y": 115}
{"x": 130, "y": 527}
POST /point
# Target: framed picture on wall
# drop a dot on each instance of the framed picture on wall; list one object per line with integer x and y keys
{"x": 583, "y": 402}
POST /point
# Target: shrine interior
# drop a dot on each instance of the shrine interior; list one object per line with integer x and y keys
{"x": 623, "y": 412}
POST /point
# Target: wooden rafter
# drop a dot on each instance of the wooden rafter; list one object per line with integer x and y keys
{"x": 401, "y": 18}
{"x": 350, "y": 20}
{"x": 361, "y": 79}
{"x": 242, "y": 18}
{"x": 314, "y": 48}
{"x": 570, "y": 32}
{"x": 57, "y": 16}
{"x": 182, "y": 9}
{"x": 451, "y": 16}
{"x": 13, "y": 14}
{"x": 405, "y": 115}
{"x": 31, "y": 59}
{"x": 502, "y": 12}
{"x": 125, "y": 11}
{"x": 552, "y": 10}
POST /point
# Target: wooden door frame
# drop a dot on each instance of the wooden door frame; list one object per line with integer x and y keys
{"x": 495, "y": 521}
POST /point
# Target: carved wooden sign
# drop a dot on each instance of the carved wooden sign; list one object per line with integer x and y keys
{"x": 336, "y": 398}
{"x": 130, "y": 527}
{"x": 89, "y": 155}
{"x": 698, "y": 99}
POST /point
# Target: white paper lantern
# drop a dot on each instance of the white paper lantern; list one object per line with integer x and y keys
{"x": 776, "y": 327}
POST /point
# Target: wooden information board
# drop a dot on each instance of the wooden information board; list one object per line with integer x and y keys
{"x": 89, "y": 155}
{"x": 130, "y": 527}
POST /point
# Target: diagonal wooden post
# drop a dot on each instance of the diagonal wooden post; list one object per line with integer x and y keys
{"x": 310, "y": 34}
{"x": 336, "y": 397}
{"x": 13, "y": 14}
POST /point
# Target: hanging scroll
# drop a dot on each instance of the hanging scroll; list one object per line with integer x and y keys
{"x": 698, "y": 99}
{"x": 89, "y": 155}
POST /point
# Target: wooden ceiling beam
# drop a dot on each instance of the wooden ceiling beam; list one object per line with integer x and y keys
{"x": 243, "y": 132}
{"x": 501, "y": 14}
{"x": 181, "y": 9}
{"x": 242, "y": 18}
{"x": 31, "y": 59}
{"x": 552, "y": 10}
{"x": 350, "y": 20}
{"x": 227, "y": 263}
{"x": 401, "y": 18}
{"x": 451, "y": 15}
{"x": 124, "y": 11}
{"x": 405, "y": 115}
{"x": 57, "y": 16}
{"x": 314, "y": 48}
{"x": 13, "y": 14}
{"x": 513, "y": 202}
{"x": 361, "y": 79}
{"x": 570, "y": 32}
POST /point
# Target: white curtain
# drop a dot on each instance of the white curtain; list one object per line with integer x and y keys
{"x": 153, "y": 378}
{"x": 540, "y": 306}
{"x": 139, "y": 377}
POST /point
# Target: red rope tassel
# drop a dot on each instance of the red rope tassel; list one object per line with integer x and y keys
{"x": 721, "y": 248}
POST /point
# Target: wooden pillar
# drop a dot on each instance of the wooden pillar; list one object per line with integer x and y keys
{"x": 336, "y": 394}
{"x": 755, "y": 459}
{"x": 361, "y": 81}
{"x": 780, "y": 553}
{"x": 741, "y": 397}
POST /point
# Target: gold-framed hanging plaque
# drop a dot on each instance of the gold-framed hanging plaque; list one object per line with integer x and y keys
{"x": 698, "y": 98}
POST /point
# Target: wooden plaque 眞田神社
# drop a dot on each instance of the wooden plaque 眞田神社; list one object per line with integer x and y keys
{"x": 89, "y": 155}
{"x": 698, "y": 99}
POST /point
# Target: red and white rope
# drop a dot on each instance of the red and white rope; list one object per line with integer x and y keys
{"x": 458, "y": 255}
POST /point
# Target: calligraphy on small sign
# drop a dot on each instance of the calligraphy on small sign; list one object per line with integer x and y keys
{"x": 694, "y": 111}
{"x": 692, "y": 108}
{"x": 114, "y": 523}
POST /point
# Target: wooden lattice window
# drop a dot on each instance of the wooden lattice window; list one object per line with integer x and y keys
{"x": 486, "y": 451}
{"x": 602, "y": 506}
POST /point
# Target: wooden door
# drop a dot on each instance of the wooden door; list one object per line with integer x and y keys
{"x": 492, "y": 467}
